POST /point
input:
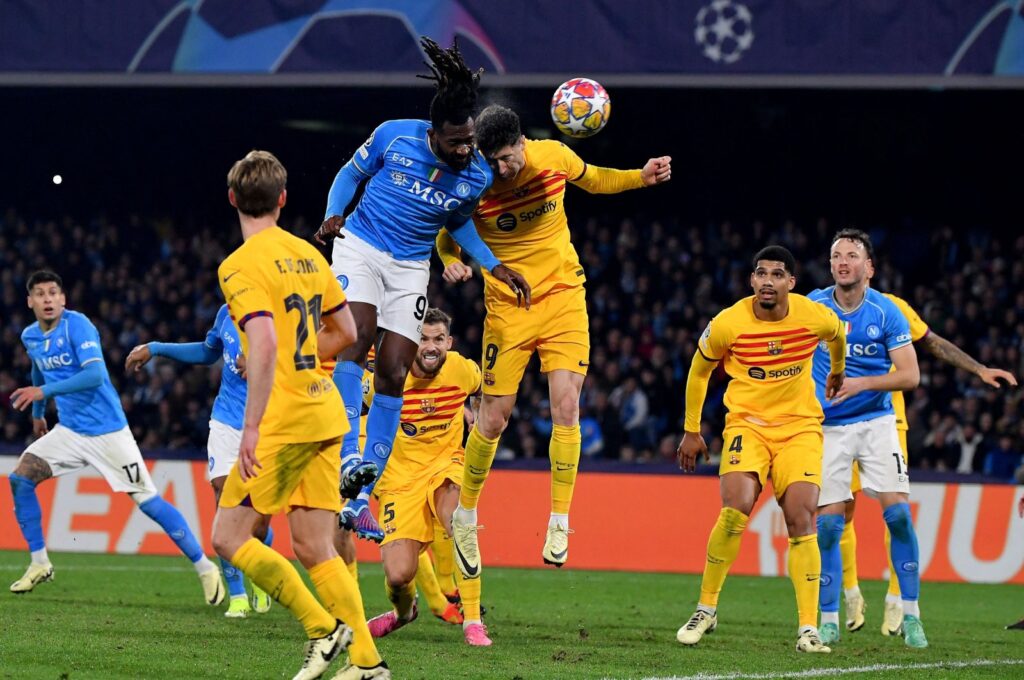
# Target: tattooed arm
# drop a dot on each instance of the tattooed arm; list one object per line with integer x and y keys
{"x": 949, "y": 353}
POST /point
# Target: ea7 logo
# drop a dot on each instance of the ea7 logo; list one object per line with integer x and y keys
{"x": 401, "y": 160}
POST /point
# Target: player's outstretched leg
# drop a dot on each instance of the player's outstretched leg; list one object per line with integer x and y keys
{"x": 175, "y": 526}
{"x": 357, "y": 517}
{"x": 855, "y": 605}
{"x": 905, "y": 559}
{"x": 564, "y": 452}
{"x": 723, "y": 547}
{"x": 830, "y": 530}
{"x": 30, "y": 517}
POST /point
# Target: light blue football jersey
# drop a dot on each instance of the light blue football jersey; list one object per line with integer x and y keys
{"x": 873, "y": 329}
{"x": 60, "y": 354}
{"x": 411, "y": 193}
{"x": 229, "y": 405}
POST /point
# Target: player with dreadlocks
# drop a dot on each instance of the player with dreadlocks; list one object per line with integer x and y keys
{"x": 421, "y": 176}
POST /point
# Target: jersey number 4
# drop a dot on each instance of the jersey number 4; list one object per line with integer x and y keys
{"x": 305, "y": 309}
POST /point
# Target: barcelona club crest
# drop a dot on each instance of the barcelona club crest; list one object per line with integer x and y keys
{"x": 774, "y": 347}
{"x": 428, "y": 406}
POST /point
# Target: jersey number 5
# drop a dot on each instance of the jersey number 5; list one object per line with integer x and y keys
{"x": 305, "y": 309}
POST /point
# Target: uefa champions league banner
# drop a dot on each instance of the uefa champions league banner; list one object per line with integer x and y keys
{"x": 780, "y": 37}
{"x": 966, "y": 532}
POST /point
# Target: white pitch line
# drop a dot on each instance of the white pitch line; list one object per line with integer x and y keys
{"x": 831, "y": 672}
{"x": 106, "y": 567}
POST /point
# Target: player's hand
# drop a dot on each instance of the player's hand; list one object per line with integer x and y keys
{"x": 849, "y": 388}
{"x": 331, "y": 228}
{"x": 657, "y": 171}
{"x": 39, "y": 427}
{"x": 690, "y": 447}
{"x": 247, "y": 461}
{"x": 516, "y": 282}
{"x": 457, "y": 272}
{"x": 833, "y": 384}
{"x": 137, "y": 358}
{"x": 992, "y": 376}
{"x": 23, "y": 397}
{"x": 240, "y": 365}
{"x": 470, "y": 417}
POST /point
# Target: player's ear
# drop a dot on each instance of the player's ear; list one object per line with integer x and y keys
{"x": 792, "y": 283}
{"x": 283, "y": 198}
{"x": 231, "y": 198}
{"x": 449, "y": 342}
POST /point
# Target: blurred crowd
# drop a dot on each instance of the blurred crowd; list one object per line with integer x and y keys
{"x": 652, "y": 287}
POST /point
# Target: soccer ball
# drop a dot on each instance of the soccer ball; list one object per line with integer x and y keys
{"x": 580, "y": 107}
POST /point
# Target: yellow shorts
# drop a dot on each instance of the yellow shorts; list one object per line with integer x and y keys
{"x": 410, "y": 511}
{"x": 292, "y": 475}
{"x": 556, "y": 326}
{"x": 790, "y": 453}
{"x": 855, "y": 478}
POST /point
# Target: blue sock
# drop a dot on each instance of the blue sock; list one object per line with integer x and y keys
{"x": 268, "y": 540}
{"x": 171, "y": 521}
{"x": 234, "y": 578}
{"x": 381, "y": 425}
{"x": 830, "y": 531}
{"x": 348, "y": 376}
{"x": 903, "y": 550}
{"x": 27, "y": 511}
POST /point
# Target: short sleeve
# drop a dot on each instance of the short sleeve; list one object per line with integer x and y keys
{"x": 918, "y": 328}
{"x": 473, "y": 377}
{"x": 829, "y": 326}
{"x": 213, "y": 340}
{"x": 369, "y": 157}
{"x": 714, "y": 341}
{"x": 572, "y": 164}
{"x": 897, "y": 330}
{"x": 246, "y": 299}
{"x": 85, "y": 340}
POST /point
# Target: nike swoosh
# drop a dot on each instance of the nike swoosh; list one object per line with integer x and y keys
{"x": 467, "y": 567}
{"x": 329, "y": 655}
{"x": 230, "y": 275}
{"x": 584, "y": 364}
{"x": 560, "y": 555}
{"x": 810, "y": 474}
{"x": 216, "y": 595}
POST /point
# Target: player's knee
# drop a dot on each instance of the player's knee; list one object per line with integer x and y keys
{"x": 898, "y": 519}
{"x": 224, "y": 544}
{"x": 492, "y": 422}
{"x": 399, "y": 576}
{"x": 345, "y": 545}
{"x": 830, "y": 529}
{"x": 312, "y": 551}
{"x": 142, "y": 497}
{"x": 565, "y": 410}
{"x": 389, "y": 380}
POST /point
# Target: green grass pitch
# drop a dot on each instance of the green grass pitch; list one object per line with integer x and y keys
{"x": 112, "y": 616}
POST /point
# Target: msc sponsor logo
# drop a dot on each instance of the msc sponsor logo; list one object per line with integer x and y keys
{"x": 787, "y": 372}
{"x": 858, "y": 350}
{"x": 528, "y": 215}
{"x": 409, "y": 429}
{"x": 55, "y": 361}
{"x": 506, "y": 222}
{"x": 433, "y": 196}
{"x": 756, "y": 372}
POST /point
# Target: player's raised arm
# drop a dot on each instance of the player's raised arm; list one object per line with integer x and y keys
{"x": 365, "y": 163}
{"x": 595, "y": 179}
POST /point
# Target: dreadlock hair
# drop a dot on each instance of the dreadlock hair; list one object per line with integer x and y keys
{"x": 455, "y": 100}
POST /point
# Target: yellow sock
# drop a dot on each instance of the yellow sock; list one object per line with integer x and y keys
{"x": 426, "y": 582}
{"x": 564, "y": 452}
{"x": 444, "y": 562}
{"x": 479, "y": 456}
{"x": 269, "y": 570}
{"x": 341, "y": 597}
{"x": 894, "y": 582}
{"x": 401, "y": 598}
{"x": 469, "y": 589}
{"x": 723, "y": 547}
{"x": 848, "y": 551}
{"x": 353, "y": 568}
{"x": 805, "y": 573}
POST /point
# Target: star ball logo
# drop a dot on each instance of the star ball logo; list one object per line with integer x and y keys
{"x": 724, "y": 31}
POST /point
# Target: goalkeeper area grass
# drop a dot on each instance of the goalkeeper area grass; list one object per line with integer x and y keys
{"x": 118, "y": 616}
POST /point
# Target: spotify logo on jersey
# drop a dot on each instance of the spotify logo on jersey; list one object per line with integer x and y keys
{"x": 506, "y": 222}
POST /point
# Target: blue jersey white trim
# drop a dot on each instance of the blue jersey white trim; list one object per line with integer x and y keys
{"x": 873, "y": 330}
{"x": 229, "y": 406}
{"x": 411, "y": 193}
{"x": 60, "y": 354}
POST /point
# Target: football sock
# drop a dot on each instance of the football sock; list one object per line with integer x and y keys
{"x": 444, "y": 562}
{"x": 348, "y": 376}
{"x": 402, "y": 598}
{"x": 804, "y": 571}
{"x": 381, "y": 425}
{"x": 564, "y": 452}
{"x": 174, "y": 525}
{"x": 426, "y": 582}
{"x": 830, "y": 531}
{"x": 234, "y": 578}
{"x": 558, "y": 520}
{"x": 848, "y": 554}
{"x": 851, "y": 593}
{"x": 470, "y": 589}
{"x": 341, "y": 597}
{"x": 353, "y": 569}
{"x": 479, "y": 457}
{"x": 29, "y": 515}
{"x": 277, "y": 577}
{"x": 904, "y": 550}
{"x": 829, "y": 617}
{"x": 894, "y": 581}
{"x": 268, "y": 540}
{"x": 723, "y": 547}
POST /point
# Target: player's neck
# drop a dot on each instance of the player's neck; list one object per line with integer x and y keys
{"x": 47, "y": 326}
{"x": 850, "y": 298}
{"x": 254, "y": 225}
{"x": 777, "y": 313}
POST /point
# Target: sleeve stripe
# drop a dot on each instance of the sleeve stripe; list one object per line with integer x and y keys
{"x": 578, "y": 178}
{"x": 337, "y": 308}
{"x": 706, "y": 357}
{"x": 252, "y": 315}
{"x": 89, "y": 361}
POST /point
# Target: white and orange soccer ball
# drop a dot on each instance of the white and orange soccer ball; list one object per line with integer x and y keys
{"x": 580, "y": 107}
